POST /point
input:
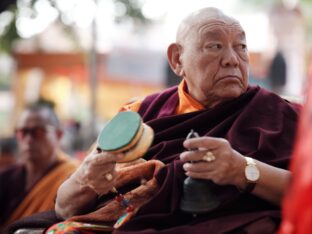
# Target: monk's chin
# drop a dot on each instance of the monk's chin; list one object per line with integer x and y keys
{"x": 231, "y": 92}
{"x": 30, "y": 156}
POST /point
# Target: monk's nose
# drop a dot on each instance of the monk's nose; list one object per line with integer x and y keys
{"x": 230, "y": 58}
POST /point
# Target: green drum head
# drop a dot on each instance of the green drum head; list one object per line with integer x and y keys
{"x": 120, "y": 131}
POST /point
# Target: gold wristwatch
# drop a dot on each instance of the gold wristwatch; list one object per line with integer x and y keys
{"x": 252, "y": 174}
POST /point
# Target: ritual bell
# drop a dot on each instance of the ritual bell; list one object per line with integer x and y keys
{"x": 197, "y": 197}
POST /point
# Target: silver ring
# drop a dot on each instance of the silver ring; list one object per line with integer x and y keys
{"x": 209, "y": 157}
{"x": 108, "y": 176}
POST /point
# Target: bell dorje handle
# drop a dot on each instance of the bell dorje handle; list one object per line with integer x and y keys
{"x": 192, "y": 134}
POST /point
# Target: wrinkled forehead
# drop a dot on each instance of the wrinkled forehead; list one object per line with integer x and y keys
{"x": 214, "y": 29}
{"x": 33, "y": 118}
{"x": 211, "y": 22}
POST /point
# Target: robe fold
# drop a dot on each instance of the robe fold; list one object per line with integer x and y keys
{"x": 258, "y": 124}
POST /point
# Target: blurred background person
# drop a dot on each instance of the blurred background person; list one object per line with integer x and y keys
{"x": 30, "y": 185}
{"x": 277, "y": 73}
{"x": 8, "y": 148}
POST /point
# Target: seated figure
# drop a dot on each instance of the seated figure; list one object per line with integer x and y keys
{"x": 242, "y": 150}
{"x": 30, "y": 185}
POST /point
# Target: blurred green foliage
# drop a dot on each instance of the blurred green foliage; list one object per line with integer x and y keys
{"x": 10, "y": 34}
{"x": 133, "y": 11}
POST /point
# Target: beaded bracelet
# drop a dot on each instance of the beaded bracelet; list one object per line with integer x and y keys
{"x": 129, "y": 210}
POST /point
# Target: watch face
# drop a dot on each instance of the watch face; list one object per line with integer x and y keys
{"x": 252, "y": 173}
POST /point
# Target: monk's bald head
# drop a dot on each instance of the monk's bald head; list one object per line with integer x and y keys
{"x": 205, "y": 15}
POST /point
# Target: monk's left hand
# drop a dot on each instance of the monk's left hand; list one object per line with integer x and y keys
{"x": 213, "y": 159}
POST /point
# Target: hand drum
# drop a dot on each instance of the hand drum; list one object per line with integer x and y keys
{"x": 127, "y": 134}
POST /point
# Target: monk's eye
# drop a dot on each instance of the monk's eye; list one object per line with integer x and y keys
{"x": 214, "y": 46}
{"x": 242, "y": 47}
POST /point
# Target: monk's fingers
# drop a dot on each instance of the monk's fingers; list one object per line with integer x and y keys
{"x": 86, "y": 175}
{"x": 210, "y": 143}
{"x": 198, "y": 155}
{"x": 213, "y": 176}
{"x": 210, "y": 165}
{"x": 190, "y": 156}
{"x": 108, "y": 175}
{"x": 90, "y": 170}
{"x": 103, "y": 157}
{"x": 199, "y": 167}
{"x": 102, "y": 168}
{"x": 220, "y": 172}
{"x": 125, "y": 165}
{"x": 103, "y": 183}
{"x": 102, "y": 188}
{"x": 102, "y": 176}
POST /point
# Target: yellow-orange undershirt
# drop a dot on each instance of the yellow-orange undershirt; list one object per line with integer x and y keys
{"x": 186, "y": 102}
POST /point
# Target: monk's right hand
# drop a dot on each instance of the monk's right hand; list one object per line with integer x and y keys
{"x": 97, "y": 171}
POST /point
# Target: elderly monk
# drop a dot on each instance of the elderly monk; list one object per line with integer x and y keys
{"x": 30, "y": 185}
{"x": 240, "y": 127}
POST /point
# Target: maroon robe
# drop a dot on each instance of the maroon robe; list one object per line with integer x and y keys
{"x": 258, "y": 124}
{"x": 13, "y": 188}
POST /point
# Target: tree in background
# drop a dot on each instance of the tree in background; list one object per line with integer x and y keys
{"x": 12, "y": 10}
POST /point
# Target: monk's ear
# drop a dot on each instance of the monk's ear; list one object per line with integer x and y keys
{"x": 174, "y": 52}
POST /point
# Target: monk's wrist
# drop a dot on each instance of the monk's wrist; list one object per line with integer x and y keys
{"x": 240, "y": 181}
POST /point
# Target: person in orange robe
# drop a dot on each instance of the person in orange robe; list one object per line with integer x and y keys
{"x": 29, "y": 186}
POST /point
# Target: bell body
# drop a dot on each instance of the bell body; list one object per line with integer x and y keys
{"x": 197, "y": 197}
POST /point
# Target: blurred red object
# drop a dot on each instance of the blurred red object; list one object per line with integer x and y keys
{"x": 297, "y": 206}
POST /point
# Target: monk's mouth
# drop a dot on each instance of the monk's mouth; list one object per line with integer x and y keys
{"x": 230, "y": 79}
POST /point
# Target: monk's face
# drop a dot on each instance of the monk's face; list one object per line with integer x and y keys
{"x": 37, "y": 139}
{"x": 214, "y": 61}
